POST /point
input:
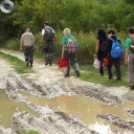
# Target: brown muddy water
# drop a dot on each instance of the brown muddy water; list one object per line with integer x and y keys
{"x": 82, "y": 107}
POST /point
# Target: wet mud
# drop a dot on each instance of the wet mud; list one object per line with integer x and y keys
{"x": 126, "y": 125}
{"x": 52, "y": 121}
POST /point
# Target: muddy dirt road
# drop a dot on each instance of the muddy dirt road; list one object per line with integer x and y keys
{"x": 51, "y": 104}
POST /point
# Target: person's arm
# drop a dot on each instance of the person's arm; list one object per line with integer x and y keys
{"x": 126, "y": 56}
{"x": 127, "y": 46}
{"x": 21, "y": 44}
{"x": 42, "y": 37}
{"x": 41, "y": 40}
{"x": 97, "y": 47}
{"x": 62, "y": 53}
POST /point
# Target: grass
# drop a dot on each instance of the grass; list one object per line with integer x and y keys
{"x": 31, "y": 132}
{"x": 88, "y": 73}
{"x": 19, "y": 65}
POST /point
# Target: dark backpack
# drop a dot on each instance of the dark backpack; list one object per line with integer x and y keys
{"x": 103, "y": 45}
{"x": 132, "y": 45}
{"x": 71, "y": 45}
{"x": 117, "y": 49}
{"x": 49, "y": 35}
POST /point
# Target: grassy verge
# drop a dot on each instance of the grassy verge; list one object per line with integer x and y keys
{"x": 89, "y": 74}
{"x": 19, "y": 65}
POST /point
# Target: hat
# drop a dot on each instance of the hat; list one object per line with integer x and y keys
{"x": 46, "y": 22}
{"x": 105, "y": 63}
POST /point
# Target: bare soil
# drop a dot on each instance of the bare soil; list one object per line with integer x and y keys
{"x": 49, "y": 82}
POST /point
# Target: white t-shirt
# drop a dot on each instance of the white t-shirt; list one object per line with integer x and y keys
{"x": 43, "y": 30}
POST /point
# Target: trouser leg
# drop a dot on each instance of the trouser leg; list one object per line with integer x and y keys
{"x": 109, "y": 67}
{"x": 101, "y": 68}
{"x": 117, "y": 67}
{"x": 30, "y": 55}
{"x": 74, "y": 62}
{"x": 131, "y": 69}
{"x": 26, "y": 54}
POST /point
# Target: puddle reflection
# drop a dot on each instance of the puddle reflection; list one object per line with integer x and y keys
{"x": 8, "y": 107}
{"x": 83, "y": 108}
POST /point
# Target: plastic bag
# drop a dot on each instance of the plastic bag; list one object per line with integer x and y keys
{"x": 97, "y": 64}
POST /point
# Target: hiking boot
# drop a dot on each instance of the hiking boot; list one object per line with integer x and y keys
{"x": 77, "y": 73}
{"x": 31, "y": 64}
{"x": 132, "y": 87}
{"x": 50, "y": 63}
{"x": 27, "y": 64}
{"x": 118, "y": 79}
{"x": 110, "y": 79}
{"x": 46, "y": 63}
{"x": 67, "y": 75}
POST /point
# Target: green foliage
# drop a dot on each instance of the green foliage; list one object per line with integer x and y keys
{"x": 13, "y": 44}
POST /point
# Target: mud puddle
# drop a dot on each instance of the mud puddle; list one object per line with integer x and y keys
{"x": 83, "y": 108}
{"x": 9, "y": 107}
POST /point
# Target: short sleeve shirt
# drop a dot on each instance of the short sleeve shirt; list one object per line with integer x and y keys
{"x": 64, "y": 40}
{"x": 43, "y": 31}
{"x": 27, "y": 38}
{"x": 128, "y": 43}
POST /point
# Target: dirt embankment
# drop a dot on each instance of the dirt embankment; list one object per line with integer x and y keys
{"x": 49, "y": 82}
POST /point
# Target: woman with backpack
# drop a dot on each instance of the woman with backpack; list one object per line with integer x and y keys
{"x": 69, "y": 53}
{"x": 101, "y": 41}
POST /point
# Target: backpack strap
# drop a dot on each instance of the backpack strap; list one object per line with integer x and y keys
{"x": 113, "y": 39}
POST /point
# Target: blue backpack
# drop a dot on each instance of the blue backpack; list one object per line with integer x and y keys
{"x": 117, "y": 49}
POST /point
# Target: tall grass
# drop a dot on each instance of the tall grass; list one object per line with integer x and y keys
{"x": 86, "y": 42}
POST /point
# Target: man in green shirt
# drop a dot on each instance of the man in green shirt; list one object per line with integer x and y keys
{"x": 129, "y": 57}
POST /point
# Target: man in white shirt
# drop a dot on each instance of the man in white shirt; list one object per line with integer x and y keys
{"x": 47, "y": 41}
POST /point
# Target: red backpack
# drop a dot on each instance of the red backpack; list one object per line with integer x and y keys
{"x": 132, "y": 45}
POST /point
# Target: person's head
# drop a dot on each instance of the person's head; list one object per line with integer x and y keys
{"x": 130, "y": 31}
{"x": 45, "y": 23}
{"x": 101, "y": 33}
{"x": 111, "y": 32}
{"x": 66, "y": 31}
{"x": 27, "y": 29}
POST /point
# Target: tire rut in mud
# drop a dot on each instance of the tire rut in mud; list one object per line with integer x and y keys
{"x": 125, "y": 124}
{"x": 55, "y": 88}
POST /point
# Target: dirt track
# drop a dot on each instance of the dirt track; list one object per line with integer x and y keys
{"x": 49, "y": 82}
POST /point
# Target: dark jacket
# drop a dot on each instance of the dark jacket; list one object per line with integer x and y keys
{"x": 109, "y": 47}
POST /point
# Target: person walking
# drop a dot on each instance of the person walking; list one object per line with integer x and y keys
{"x": 129, "y": 57}
{"x": 69, "y": 56}
{"x": 28, "y": 40}
{"x": 100, "y": 47}
{"x": 47, "y": 43}
{"x": 111, "y": 60}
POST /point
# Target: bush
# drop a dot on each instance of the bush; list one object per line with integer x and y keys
{"x": 13, "y": 44}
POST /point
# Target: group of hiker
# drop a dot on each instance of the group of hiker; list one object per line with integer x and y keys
{"x": 47, "y": 43}
{"x": 108, "y": 49}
